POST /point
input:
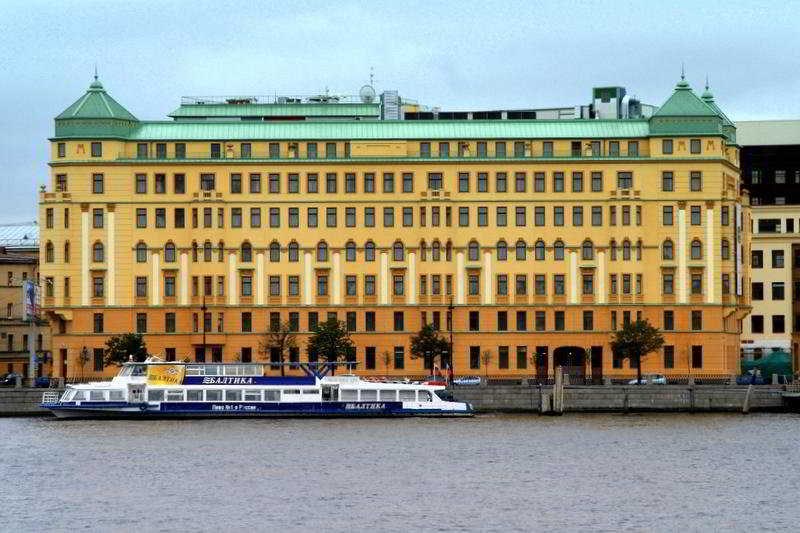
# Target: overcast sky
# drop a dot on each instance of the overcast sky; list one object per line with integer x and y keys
{"x": 458, "y": 54}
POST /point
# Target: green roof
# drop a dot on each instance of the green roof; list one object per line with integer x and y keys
{"x": 96, "y": 103}
{"x": 277, "y": 110}
{"x": 390, "y": 130}
{"x": 684, "y": 103}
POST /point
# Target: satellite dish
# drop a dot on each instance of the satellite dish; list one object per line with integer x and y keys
{"x": 367, "y": 94}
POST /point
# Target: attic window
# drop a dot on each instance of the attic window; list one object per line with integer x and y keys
{"x": 97, "y": 149}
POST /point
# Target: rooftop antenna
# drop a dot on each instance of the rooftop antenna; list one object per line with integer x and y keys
{"x": 706, "y": 82}
{"x": 372, "y": 76}
{"x": 95, "y": 72}
{"x": 683, "y": 72}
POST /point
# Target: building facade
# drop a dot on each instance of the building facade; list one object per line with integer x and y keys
{"x": 19, "y": 261}
{"x": 771, "y": 173}
{"x": 538, "y": 237}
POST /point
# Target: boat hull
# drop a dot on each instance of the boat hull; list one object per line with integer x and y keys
{"x": 250, "y": 410}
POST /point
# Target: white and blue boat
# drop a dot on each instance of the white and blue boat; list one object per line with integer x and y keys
{"x": 158, "y": 389}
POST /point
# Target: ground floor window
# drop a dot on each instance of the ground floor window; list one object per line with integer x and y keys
{"x": 474, "y": 357}
{"x": 697, "y": 357}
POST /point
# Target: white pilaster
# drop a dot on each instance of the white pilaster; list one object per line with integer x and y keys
{"x": 460, "y": 273}
{"x": 602, "y": 295}
{"x": 336, "y": 278}
{"x": 111, "y": 259}
{"x": 307, "y": 278}
{"x": 155, "y": 284}
{"x": 233, "y": 282}
{"x": 711, "y": 249}
{"x": 412, "y": 278}
{"x": 85, "y": 251}
{"x": 260, "y": 279}
{"x": 488, "y": 293}
{"x": 384, "y": 279}
{"x": 681, "y": 249}
{"x": 183, "y": 279}
{"x": 573, "y": 277}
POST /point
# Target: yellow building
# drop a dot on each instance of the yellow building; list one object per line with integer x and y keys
{"x": 543, "y": 235}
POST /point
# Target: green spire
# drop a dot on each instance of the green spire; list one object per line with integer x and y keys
{"x": 96, "y": 114}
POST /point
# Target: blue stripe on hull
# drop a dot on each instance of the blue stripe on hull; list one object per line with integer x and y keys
{"x": 244, "y": 409}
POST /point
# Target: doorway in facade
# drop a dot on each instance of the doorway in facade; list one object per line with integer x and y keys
{"x": 572, "y": 360}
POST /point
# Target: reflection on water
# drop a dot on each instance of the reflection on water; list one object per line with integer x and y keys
{"x": 495, "y": 472}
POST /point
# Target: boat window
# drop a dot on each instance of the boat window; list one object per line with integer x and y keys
{"x": 369, "y": 395}
{"x": 444, "y": 395}
{"x": 195, "y": 370}
{"x": 408, "y": 396}
{"x": 233, "y": 395}
{"x": 272, "y": 395}
{"x": 97, "y": 395}
{"x": 252, "y": 395}
{"x": 348, "y": 395}
{"x": 175, "y": 395}
{"x": 213, "y": 395}
{"x": 80, "y": 395}
{"x": 194, "y": 395}
{"x": 212, "y": 370}
{"x": 291, "y": 391}
{"x": 388, "y": 395}
{"x": 138, "y": 370}
{"x": 126, "y": 371}
{"x": 155, "y": 395}
{"x": 425, "y": 396}
{"x": 116, "y": 395}
{"x": 310, "y": 391}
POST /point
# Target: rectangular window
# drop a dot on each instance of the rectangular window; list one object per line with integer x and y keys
{"x": 312, "y": 183}
{"x": 408, "y": 182}
{"x": 330, "y": 183}
{"x": 667, "y": 181}
{"x": 624, "y": 180}
{"x": 519, "y": 182}
{"x": 597, "y": 215}
{"x": 558, "y": 216}
{"x": 696, "y": 181}
{"x": 667, "y": 215}
{"x": 369, "y": 182}
{"x": 597, "y": 181}
{"x": 666, "y": 146}
{"x": 500, "y": 149}
{"x": 694, "y": 146}
{"x": 474, "y": 357}
{"x": 245, "y": 150}
{"x": 538, "y": 216}
{"x": 292, "y": 185}
{"x": 330, "y": 217}
{"x": 502, "y": 216}
{"x": 588, "y": 321}
{"x": 633, "y": 148}
{"x": 97, "y": 149}
{"x": 577, "y": 182}
{"x": 577, "y": 216}
{"x": 560, "y": 323}
{"x": 501, "y": 182}
{"x": 180, "y": 150}
{"x": 522, "y": 357}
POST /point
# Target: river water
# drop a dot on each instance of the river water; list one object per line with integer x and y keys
{"x": 663, "y": 472}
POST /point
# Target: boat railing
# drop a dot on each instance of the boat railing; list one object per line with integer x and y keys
{"x": 50, "y": 397}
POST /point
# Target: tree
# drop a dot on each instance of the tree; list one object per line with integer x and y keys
{"x": 428, "y": 344}
{"x": 122, "y": 348}
{"x": 83, "y": 359}
{"x": 331, "y": 341}
{"x": 634, "y": 341}
{"x": 279, "y": 339}
{"x": 387, "y": 358}
{"x": 486, "y": 358}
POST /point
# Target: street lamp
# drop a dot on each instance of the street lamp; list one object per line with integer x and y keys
{"x": 451, "y": 359}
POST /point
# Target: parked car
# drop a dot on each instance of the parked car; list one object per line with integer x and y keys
{"x": 9, "y": 379}
{"x": 650, "y": 379}
{"x": 467, "y": 380}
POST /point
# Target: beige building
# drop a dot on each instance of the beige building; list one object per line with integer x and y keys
{"x": 19, "y": 261}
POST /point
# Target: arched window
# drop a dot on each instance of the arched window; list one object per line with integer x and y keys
{"x": 612, "y": 246}
{"x": 398, "y": 252}
{"x": 639, "y": 250}
{"x": 141, "y": 252}
{"x": 49, "y": 252}
{"x": 220, "y": 251}
{"x": 247, "y": 252}
{"x": 350, "y": 251}
{"x": 294, "y": 252}
{"x": 667, "y": 251}
{"x": 208, "y": 251}
{"x": 322, "y": 251}
{"x": 539, "y": 250}
{"x": 169, "y": 253}
{"x": 436, "y": 251}
{"x": 423, "y": 251}
{"x": 448, "y": 251}
{"x": 626, "y": 250}
{"x": 502, "y": 251}
{"x": 369, "y": 251}
{"x": 98, "y": 252}
{"x": 521, "y": 250}
{"x": 697, "y": 249}
{"x": 558, "y": 250}
{"x": 587, "y": 250}
{"x": 726, "y": 249}
{"x": 274, "y": 252}
{"x": 194, "y": 251}
{"x": 66, "y": 252}
{"x": 473, "y": 251}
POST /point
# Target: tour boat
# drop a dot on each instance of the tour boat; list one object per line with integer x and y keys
{"x": 155, "y": 388}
